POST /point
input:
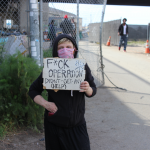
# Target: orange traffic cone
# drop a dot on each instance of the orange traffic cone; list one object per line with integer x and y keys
{"x": 108, "y": 42}
{"x": 147, "y": 48}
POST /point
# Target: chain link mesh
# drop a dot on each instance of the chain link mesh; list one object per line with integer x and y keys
{"x": 82, "y": 22}
{"x": 62, "y": 17}
{"x": 12, "y": 32}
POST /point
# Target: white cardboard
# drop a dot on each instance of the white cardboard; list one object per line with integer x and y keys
{"x": 32, "y": 43}
{"x": 32, "y": 1}
{"x": 63, "y": 74}
{"x": 33, "y": 53}
{"x": 31, "y": 13}
{"x": 33, "y": 49}
{"x": 34, "y": 6}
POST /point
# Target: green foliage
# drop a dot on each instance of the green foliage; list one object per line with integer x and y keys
{"x": 16, "y": 107}
{"x": 47, "y": 53}
{"x": 2, "y": 130}
{"x": 1, "y": 51}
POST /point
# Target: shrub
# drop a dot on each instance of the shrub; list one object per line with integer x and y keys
{"x": 47, "y": 53}
{"x": 1, "y": 51}
{"x": 16, "y": 107}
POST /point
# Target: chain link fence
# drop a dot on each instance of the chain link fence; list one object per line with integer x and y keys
{"x": 54, "y": 17}
{"x": 12, "y": 36}
{"x": 75, "y": 19}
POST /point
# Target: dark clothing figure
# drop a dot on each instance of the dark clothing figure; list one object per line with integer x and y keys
{"x": 123, "y": 32}
{"x": 60, "y": 138}
{"x": 51, "y": 32}
{"x": 66, "y": 26}
{"x": 73, "y": 33}
{"x": 66, "y": 129}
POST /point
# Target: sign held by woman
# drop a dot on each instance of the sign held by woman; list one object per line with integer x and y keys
{"x": 63, "y": 73}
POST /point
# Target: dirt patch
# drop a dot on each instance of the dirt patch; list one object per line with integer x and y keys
{"x": 23, "y": 140}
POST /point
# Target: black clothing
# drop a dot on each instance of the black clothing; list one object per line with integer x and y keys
{"x": 66, "y": 129}
{"x": 120, "y": 30}
{"x": 71, "y": 109}
{"x": 52, "y": 32}
{"x": 66, "y": 26}
{"x": 59, "y": 138}
{"x": 73, "y": 33}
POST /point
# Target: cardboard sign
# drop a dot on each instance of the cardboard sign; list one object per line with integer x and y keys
{"x": 63, "y": 73}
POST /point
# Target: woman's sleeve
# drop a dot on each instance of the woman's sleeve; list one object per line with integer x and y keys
{"x": 89, "y": 78}
{"x": 36, "y": 87}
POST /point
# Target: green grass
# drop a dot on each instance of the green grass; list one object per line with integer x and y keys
{"x": 136, "y": 42}
{"x": 3, "y": 131}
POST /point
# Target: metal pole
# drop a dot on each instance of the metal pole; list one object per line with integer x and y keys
{"x": 34, "y": 31}
{"x": 101, "y": 29}
{"x": 148, "y": 32}
{"x": 41, "y": 31}
{"x": 77, "y": 30}
{"x": 28, "y": 1}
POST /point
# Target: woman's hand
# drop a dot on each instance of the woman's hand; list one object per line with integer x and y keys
{"x": 84, "y": 86}
{"x": 50, "y": 106}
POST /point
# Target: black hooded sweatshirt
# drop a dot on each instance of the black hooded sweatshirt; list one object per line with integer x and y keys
{"x": 71, "y": 107}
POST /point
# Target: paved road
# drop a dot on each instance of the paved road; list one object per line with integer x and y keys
{"x": 116, "y": 119}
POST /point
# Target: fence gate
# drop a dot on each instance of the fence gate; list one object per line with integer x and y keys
{"x": 76, "y": 18}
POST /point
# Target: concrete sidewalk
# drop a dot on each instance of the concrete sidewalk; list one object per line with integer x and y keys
{"x": 117, "y": 119}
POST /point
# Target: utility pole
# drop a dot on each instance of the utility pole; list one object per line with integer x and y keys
{"x": 77, "y": 30}
{"x": 34, "y": 31}
{"x": 41, "y": 31}
{"x": 148, "y": 34}
{"x": 101, "y": 28}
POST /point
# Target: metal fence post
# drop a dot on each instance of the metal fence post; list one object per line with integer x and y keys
{"x": 28, "y": 11}
{"x": 34, "y": 31}
{"x": 101, "y": 29}
{"x": 77, "y": 31}
{"x": 148, "y": 37}
{"x": 41, "y": 31}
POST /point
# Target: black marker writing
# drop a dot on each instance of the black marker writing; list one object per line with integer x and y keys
{"x": 48, "y": 62}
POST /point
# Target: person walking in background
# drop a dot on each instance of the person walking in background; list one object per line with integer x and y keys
{"x": 74, "y": 28}
{"x": 51, "y": 33}
{"x": 123, "y": 32}
{"x": 66, "y": 26}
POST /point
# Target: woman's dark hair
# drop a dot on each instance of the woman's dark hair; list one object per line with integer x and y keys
{"x": 52, "y": 21}
{"x": 125, "y": 19}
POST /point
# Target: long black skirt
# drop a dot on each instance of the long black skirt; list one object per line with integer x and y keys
{"x": 60, "y": 138}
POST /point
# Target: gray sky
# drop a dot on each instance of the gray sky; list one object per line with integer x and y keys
{"x": 134, "y": 14}
{"x": 92, "y": 13}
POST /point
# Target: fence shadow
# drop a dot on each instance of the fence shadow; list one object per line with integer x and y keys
{"x": 113, "y": 125}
